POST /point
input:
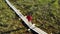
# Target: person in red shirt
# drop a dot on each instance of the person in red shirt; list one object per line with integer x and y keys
{"x": 29, "y": 17}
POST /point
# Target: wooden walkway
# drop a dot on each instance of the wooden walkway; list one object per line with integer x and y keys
{"x": 30, "y": 25}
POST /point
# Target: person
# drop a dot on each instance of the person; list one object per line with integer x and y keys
{"x": 29, "y": 17}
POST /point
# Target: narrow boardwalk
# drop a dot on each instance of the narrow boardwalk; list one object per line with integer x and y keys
{"x": 30, "y": 25}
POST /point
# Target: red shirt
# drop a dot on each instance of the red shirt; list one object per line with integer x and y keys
{"x": 29, "y": 18}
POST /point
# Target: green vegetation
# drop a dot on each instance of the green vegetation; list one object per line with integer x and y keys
{"x": 46, "y": 15}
